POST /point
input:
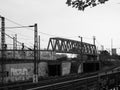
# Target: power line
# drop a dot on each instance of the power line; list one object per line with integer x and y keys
{"x": 11, "y": 20}
{"x": 20, "y": 34}
{"x": 14, "y": 22}
{"x": 12, "y": 38}
{"x": 87, "y": 38}
{"x": 21, "y": 26}
{"x": 17, "y": 27}
{"x": 98, "y": 43}
{"x": 26, "y": 28}
{"x": 46, "y": 34}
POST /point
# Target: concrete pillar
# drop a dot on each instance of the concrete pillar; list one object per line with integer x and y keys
{"x": 118, "y": 87}
{"x": 107, "y": 88}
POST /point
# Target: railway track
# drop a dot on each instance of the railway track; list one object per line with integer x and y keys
{"x": 64, "y": 83}
{"x": 90, "y": 79}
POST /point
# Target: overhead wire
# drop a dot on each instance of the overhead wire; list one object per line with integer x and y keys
{"x": 26, "y": 28}
{"x": 14, "y": 27}
{"x": 12, "y": 38}
{"x": 20, "y": 34}
{"x": 21, "y": 26}
{"x": 98, "y": 43}
{"x": 38, "y": 31}
{"x": 17, "y": 27}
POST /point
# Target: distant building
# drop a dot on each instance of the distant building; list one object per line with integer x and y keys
{"x": 114, "y": 52}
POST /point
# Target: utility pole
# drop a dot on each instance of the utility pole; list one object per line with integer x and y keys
{"x": 14, "y": 45}
{"x": 94, "y": 52}
{"x": 81, "y": 52}
{"x": 39, "y": 47}
{"x": 94, "y": 44}
{"x": 3, "y": 47}
{"x": 35, "y": 77}
{"x": 16, "y": 41}
{"x": 94, "y": 40}
{"x": 111, "y": 46}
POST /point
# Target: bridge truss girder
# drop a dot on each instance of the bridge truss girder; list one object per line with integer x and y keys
{"x": 62, "y": 45}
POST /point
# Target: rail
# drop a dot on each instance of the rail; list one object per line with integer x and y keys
{"x": 59, "y": 82}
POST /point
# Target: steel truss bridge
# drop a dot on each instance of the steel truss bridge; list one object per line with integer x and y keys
{"x": 63, "y": 45}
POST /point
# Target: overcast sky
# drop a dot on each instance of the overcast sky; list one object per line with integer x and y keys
{"x": 55, "y": 18}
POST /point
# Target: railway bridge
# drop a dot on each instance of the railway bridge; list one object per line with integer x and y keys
{"x": 91, "y": 77}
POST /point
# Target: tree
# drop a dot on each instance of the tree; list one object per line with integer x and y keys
{"x": 82, "y": 4}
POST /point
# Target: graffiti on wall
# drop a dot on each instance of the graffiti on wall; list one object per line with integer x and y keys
{"x": 19, "y": 74}
{"x": 21, "y": 71}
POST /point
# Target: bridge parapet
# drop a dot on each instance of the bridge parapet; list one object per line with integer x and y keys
{"x": 29, "y": 54}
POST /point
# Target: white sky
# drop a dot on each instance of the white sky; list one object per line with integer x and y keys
{"x": 54, "y": 17}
